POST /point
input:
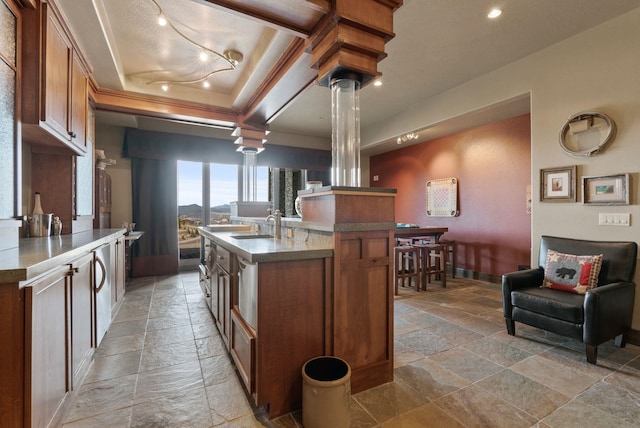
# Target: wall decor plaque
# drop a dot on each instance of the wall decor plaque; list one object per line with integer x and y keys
{"x": 442, "y": 197}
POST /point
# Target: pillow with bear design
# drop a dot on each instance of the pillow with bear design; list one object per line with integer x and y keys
{"x": 568, "y": 272}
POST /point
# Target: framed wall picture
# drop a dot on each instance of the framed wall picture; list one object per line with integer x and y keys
{"x": 606, "y": 190}
{"x": 442, "y": 197}
{"x": 558, "y": 184}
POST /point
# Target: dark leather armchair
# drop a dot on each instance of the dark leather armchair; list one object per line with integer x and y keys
{"x": 603, "y": 313}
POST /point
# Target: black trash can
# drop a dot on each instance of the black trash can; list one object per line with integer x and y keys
{"x": 326, "y": 393}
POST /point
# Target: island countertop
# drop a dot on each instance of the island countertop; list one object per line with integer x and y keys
{"x": 36, "y": 256}
{"x": 269, "y": 249}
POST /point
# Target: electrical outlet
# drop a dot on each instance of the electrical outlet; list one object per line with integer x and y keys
{"x": 376, "y": 177}
{"x": 614, "y": 219}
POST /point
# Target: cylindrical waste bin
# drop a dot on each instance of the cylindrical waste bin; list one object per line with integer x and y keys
{"x": 326, "y": 393}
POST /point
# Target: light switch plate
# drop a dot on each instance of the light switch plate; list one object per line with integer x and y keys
{"x": 614, "y": 219}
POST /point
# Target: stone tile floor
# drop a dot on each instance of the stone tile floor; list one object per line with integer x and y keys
{"x": 162, "y": 364}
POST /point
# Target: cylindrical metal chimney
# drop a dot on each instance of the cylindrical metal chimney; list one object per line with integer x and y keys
{"x": 345, "y": 134}
{"x": 250, "y": 177}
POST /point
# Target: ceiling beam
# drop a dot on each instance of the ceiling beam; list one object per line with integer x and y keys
{"x": 298, "y": 17}
{"x": 160, "y": 107}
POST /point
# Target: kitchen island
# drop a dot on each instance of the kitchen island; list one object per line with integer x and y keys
{"x": 268, "y": 298}
{"x": 324, "y": 288}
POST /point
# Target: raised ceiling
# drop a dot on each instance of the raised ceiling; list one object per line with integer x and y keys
{"x": 438, "y": 45}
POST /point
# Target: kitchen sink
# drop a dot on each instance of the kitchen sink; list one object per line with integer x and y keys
{"x": 250, "y": 236}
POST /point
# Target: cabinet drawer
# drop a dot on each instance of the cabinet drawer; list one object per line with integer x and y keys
{"x": 243, "y": 350}
{"x": 223, "y": 258}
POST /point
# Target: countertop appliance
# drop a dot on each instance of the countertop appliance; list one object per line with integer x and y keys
{"x": 102, "y": 290}
{"x": 248, "y": 292}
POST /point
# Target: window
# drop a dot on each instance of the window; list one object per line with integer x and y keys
{"x": 223, "y": 190}
{"x": 189, "y": 208}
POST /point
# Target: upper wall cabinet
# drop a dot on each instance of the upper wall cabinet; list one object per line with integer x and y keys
{"x": 54, "y": 85}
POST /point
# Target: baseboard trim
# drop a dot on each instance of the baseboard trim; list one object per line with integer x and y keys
{"x": 634, "y": 337}
{"x": 469, "y": 274}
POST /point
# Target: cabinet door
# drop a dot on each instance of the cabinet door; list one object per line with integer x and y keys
{"x": 82, "y": 317}
{"x": 78, "y": 102}
{"x": 84, "y": 182}
{"x": 363, "y": 300}
{"x": 56, "y": 72}
{"x": 49, "y": 384}
{"x": 242, "y": 348}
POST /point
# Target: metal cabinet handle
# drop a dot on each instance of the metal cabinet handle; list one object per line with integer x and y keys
{"x": 104, "y": 274}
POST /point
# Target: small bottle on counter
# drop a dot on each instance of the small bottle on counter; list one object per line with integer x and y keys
{"x": 57, "y": 226}
{"x": 37, "y": 208}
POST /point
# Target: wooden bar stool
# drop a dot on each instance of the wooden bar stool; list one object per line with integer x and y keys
{"x": 406, "y": 266}
{"x": 451, "y": 255}
{"x": 433, "y": 261}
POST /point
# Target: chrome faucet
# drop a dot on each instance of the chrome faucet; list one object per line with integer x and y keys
{"x": 277, "y": 220}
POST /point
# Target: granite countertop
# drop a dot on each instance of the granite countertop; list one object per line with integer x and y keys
{"x": 297, "y": 222}
{"x": 36, "y": 256}
{"x": 268, "y": 249}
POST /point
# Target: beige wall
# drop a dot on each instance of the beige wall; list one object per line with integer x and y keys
{"x": 595, "y": 70}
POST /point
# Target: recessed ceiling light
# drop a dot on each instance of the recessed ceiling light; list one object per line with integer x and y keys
{"x": 494, "y": 13}
{"x": 206, "y": 84}
{"x": 203, "y": 56}
{"x": 165, "y": 87}
{"x": 162, "y": 21}
{"x": 377, "y": 83}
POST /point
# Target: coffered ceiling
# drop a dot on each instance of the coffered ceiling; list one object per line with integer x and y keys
{"x": 438, "y": 45}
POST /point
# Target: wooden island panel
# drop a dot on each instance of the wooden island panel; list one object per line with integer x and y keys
{"x": 292, "y": 314}
{"x": 363, "y": 306}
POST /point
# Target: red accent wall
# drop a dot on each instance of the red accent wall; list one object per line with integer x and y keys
{"x": 493, "y": 166}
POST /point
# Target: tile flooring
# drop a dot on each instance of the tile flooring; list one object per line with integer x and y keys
{"x": 162, "y": 364}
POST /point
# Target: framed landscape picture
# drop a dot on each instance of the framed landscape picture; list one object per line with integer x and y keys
{"x": 606, "y": 190}
{"x": 558, "y": 184}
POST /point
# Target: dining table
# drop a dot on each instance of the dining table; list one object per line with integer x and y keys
{"x": 418, "y": 232}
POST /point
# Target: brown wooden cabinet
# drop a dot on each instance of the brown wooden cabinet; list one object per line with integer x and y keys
{"x": 242, "y": 346}
{"x": 47, "y": 347}
{"x": 82, "y": 317}
{"x": 224, "y": 279}
{"x": 54, "y": 84}
{"x": 363, "y": 306}
{"x": 55, "y": 116}
{"x": 293, "y": 316}
{"x": 59, "y": 339}
{"x": 47, "y": 328}
{"x": 78, "y": 103}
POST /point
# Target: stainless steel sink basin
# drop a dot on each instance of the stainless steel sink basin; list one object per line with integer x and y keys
{"x": 250, "y": 236}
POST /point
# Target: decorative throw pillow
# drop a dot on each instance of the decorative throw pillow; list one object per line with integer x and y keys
{"x": 567, "y": 272}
